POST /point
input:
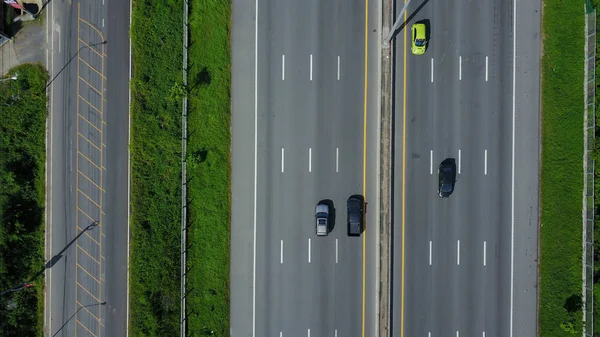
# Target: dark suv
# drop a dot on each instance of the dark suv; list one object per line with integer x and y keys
{"x": 355, "y": 206}
{"x": 447, "y": 177}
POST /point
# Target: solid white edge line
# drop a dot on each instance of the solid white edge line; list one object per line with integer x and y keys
{"x": 336, "y": 250}
{"x": 48, "y": 214}
{"x": 255, "y": 166}
{"x": 282, "y": 160}
{"x": 338, "y": 68}
{"x": 484, "y": 255}
{"x": 485, "y": 163}
{"x": 458, "y": 252}
{"x": 337, "y": 161}
{"x": 430, "y": 161}
{"x": 460, "y": 68}
{"x": 283, "y": 67}
{"x": 309, "y": 159}
{"x": 311, "y": 67}
{"x": 281, "y": 252}
{"x": 308, "y": 250}
{"x": 432, "y": 70}
{"x": 430, "y": 250}
{"x": 486, "y": 68}
{"x": 512, "y": 207}
{"x": 459, "y": 160}
{"x": 129, "y": 171}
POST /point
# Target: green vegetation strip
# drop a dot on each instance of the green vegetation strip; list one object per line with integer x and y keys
{"x": 562, "y": 170}
{"x": 597, "y": 189}
{"x": 22, "y": 195}
{"x": 209, "y": 167}
{"x": 156, "y": 32}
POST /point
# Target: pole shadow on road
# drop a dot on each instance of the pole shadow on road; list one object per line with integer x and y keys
{"x": 409, "y": 19}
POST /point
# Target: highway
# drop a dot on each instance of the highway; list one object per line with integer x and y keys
{"x": 87, "y": 168}
{"x": 466, "y": 265}
{"x": 305, "y": 82}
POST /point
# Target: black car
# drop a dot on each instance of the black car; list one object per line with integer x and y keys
{"x": 355, "y": 206}
{"x": 447, "y": 178}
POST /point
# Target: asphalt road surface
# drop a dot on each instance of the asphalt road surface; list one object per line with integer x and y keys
{"x": 468, "y": 264}
{"x": 305, "y": 122}
{"x": 88, "y": 59}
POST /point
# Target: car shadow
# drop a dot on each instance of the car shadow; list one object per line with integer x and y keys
{"x": 331, "y": 219}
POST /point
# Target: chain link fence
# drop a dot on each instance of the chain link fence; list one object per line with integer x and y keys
{"x": 588, "y": 166}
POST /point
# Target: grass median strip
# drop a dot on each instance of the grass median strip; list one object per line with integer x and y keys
{"x": 209, "y": 166}
{"x": 562, "y": 170}
{"x": 22, "y": 199}
{"x": 157, "y": 48}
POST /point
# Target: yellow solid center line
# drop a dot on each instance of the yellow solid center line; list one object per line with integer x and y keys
{"x": 364, "y": 184}
{"x": 403, "y": 177}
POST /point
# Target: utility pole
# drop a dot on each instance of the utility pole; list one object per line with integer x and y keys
{"x": 399, "y": 21}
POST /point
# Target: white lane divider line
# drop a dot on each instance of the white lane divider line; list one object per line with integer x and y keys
{"x": 432, "y": 70}
{"x": 484, "y": 261}
{"x": 338, "y": 73}
{"x": 335, "y": 333}
{"x": 337, "y": 159}
{"x": 102, "y": 22}
{"x": 311, "y": 67}
{"x": 308, "y": 332}
{"x": 309, "y": 261}
{"x": 485, "y": 163}
{"x": 486, "y": 75}
{"x": 336, "y": 255}
{"x": 460, "y": 68}
{"x": 457, "y": 334}
{"x": 283, "y": 67}
{"x": 282, "y": 159}
{"x": 429, "y": 334}
{"x": 430, "y": 249}
{"x": 281, "y": 252}
{"x": 280, "y": 333}
{"x": 459, "y": 154}
{"x": 484, "y": 334}
{"x": 458, "y": 256}
{"x": 309, "y": 159}
{"x": 430, "y": 161}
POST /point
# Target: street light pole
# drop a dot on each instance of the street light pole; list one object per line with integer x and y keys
{"x": 14, "y": 78}
{"x": 71, "y": 59}
{"x": 397, "y": 24}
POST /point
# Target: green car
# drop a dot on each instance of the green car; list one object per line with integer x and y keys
{"x": 419, "y": 39}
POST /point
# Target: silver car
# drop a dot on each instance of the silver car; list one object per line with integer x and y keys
{"x": 322, "y": 216}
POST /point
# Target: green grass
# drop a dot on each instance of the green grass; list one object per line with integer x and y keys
{"x": 157, "y": 30}
{"x": 22, "y": 199}
{"x": 562, "y": 171}
{"x": 209, "y": 167}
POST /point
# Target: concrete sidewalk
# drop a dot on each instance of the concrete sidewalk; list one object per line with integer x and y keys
{"x": 27, "y": 46}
